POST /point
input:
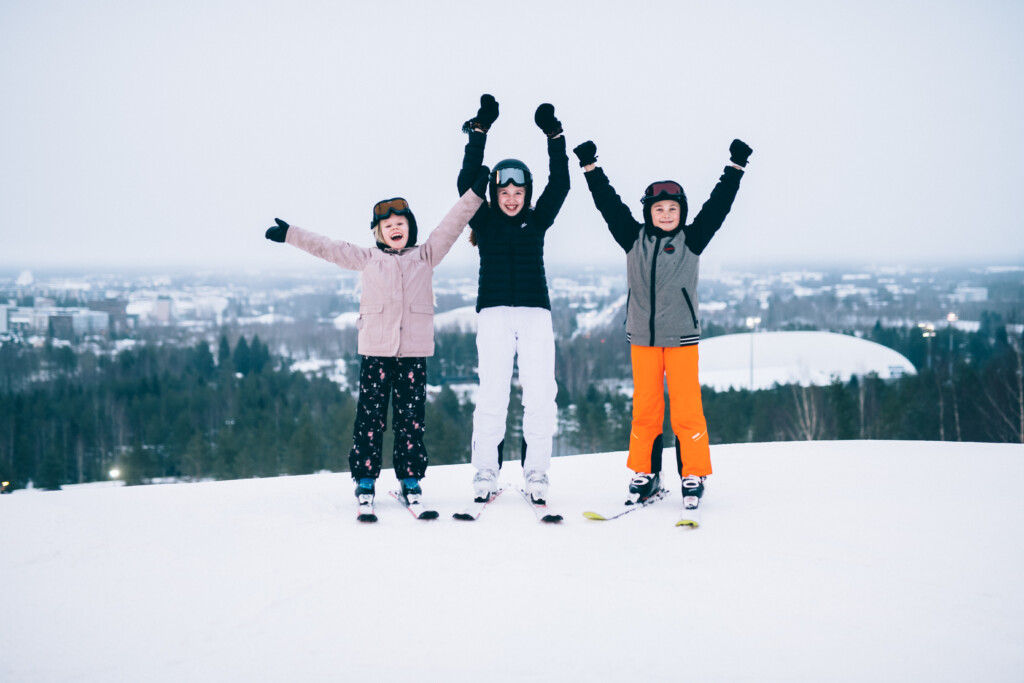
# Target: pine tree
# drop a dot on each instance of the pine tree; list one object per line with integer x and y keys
{"x": 240, "y": 357}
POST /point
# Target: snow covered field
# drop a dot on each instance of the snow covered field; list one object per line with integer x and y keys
{"x": 823, "y": 561}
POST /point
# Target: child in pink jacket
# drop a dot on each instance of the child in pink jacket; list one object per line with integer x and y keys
{"x": 396, "y": 329}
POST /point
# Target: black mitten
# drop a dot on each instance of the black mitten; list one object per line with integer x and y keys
{"x": 486, "y": 115}
{"x": 480, "y": 184}
{"x": 279, "y": 232}
{"x": 587, "y": 153}
{"x": 739, "y": 152}
{"x": 546, "y": 121}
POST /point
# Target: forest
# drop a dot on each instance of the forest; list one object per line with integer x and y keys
{"x": 160, "y": 412}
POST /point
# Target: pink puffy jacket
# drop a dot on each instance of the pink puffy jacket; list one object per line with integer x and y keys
{"x": 396, "y": 310}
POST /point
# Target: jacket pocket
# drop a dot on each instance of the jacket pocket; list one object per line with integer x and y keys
{"x": 421, "y": 324}
{"x": 689, "y": 304}
{"x": 371, "y": 322}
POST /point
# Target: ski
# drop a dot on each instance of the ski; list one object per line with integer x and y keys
{"x": 476, "y": 508}
{"x": 415, "y": 509}
{"x": 366, "y": 513}
{"x": 690, "y": 517}
{"x": 597, "y": 516}
{"x": 540, "y": 509}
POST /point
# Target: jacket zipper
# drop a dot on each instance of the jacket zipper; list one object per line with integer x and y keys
{"x": 689, "y": 304}
{"x": 654, "y": 272}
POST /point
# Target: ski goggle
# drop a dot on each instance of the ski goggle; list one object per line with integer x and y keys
{"x": 666, "y": 187}
{"x": 382, "y": 210}
{"x": 512, "y": 174}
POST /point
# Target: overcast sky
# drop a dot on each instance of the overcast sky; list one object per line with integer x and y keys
{"x": 157, "y": 134}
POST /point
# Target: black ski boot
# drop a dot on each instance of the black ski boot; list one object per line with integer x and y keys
{"x": 693, "y": 489}
{"x": 642, "y": 486}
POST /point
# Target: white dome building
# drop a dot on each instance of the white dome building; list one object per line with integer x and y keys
{"x": 761, "y": 360}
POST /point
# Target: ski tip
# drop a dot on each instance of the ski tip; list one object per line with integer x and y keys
{"x": 367, "y": 518}
{"x": 595, "y": 516}
{"x": 552, "y": 519}
{"x": 688, "y": 523}
{"x": 464, "y": 516}
{"x": 429, "y": 514}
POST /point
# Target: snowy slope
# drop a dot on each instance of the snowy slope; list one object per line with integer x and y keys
{"x": 824, "y": 561}
{"x": 794, "y": 358}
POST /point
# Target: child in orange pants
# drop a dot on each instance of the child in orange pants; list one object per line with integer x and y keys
{"x": 662, "y": 265}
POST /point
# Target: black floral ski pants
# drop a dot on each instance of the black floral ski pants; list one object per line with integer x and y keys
{"x": 404, "y": 381}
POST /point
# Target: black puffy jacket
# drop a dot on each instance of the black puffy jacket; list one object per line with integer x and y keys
{"x": 512, "y": 248}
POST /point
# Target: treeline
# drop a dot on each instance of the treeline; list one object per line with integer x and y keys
{"x": 969, "y": 387}
{"x": 159, "y": 411}
{"x": 163, "y": 411}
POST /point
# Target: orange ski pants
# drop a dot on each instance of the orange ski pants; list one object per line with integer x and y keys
{"x": 651, "y": 365}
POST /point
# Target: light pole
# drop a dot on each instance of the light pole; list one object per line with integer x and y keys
{"x": 928, "y": 331}
{"x": 950, "y": 319}
{"x": 752, "y": 324}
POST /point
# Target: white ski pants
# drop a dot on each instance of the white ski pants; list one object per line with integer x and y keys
{"x": 502, "y": 333}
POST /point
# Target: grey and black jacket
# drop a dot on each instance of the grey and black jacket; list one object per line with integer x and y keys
{"x": 663, "y": 267}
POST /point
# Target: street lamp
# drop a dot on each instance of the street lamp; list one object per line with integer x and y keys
{"x": 928, "y": 331}
{"x": 752, "y": 324}
{"x": 950, "y": 319}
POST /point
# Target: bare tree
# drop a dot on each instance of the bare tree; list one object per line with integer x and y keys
{"x": 807, "y": 412}
{"x": 1006, "y": 397}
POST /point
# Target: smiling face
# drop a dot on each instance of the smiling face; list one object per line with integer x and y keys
{"x": 665, "y": 214}
{"x": 511, "y": 199}
{"x": 394, "y": 231}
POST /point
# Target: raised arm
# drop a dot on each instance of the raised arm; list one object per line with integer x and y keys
{"x": 551, "y": 199}
{"x": 338, "y": 252}
{"x": 623, "y": 226}
{"x": 716, "y": 208}
{"x": 441, "y": 238}
{"x": 473, "y": 158}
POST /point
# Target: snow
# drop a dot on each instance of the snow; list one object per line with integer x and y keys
{"x": 462, "y": 319}
{"x": 817, "y": 561}
{"x": 347, "y": 319}
{"x": 794, "y": 358}
{"x": 589, "y": 321}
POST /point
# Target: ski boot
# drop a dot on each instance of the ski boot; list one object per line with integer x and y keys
{"x": 693, "y": 489}
{"x": 365, "y": 490}
{"x": 485, "y": 484}
{"x": 411, "y": 490}
{"x": 537, "y": 486}
{"x": 642, "y": 486}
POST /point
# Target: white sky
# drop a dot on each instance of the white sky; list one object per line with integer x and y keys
{"x": 161, "y": 134}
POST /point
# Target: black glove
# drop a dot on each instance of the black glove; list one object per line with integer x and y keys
{"x": 485, "y": 115}
{"x": 546, "y": 121}
{"x": 587, "y": 153}
{"x": 480, "y": 184}
{"x": 278, "y": 232}
{"x": 739, "y": 152}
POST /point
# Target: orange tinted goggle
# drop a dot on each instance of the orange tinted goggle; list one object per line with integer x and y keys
{"x": 382, "y": 210}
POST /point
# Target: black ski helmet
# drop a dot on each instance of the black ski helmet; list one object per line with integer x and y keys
{"x": 664, "y": 189}
{"x": 512, "y": 172}
{"x": 395, "y": 205}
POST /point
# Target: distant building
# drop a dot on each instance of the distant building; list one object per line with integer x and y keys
{"x": 116, "y": 310}
{"x": 50, "y": 321}
{"x": 163, "y": 310}
{"x": 970, "y": 294}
